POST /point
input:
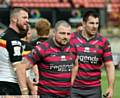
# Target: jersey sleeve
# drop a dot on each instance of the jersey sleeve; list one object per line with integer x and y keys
{"x": 36, "y": 55}
{"x": 14, "y": 48}
{"x": 107, "y": 56}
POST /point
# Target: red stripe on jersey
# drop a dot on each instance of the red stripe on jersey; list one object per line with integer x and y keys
{"x": 107, "y": 54}
{"x": 56, "y": 84}
{"x": 89, "y": 66}
{"x": 80, "y": 83}
{"x": 53, "y": 59}
{"x": 54, "y": 75}
{"x": 91, "y": 74}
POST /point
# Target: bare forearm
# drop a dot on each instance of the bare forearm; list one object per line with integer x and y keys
{"x": 21, "y": 75}
{"x": 110, "y": 75}
{"x": 35, "y": 70}
{"x": 32, "y": 87}
{"x": 74, "y": 73}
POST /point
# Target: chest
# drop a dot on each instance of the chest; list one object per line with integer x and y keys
{"x": 57, "y": 55}
{"x": 92, "y": 47}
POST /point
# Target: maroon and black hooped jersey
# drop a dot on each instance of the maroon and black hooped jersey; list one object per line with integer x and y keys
{"x": 54, "y": 66}
{"x": 92, "y": 53}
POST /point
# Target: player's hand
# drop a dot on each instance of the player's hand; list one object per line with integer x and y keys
{"x": 109, "y": 92}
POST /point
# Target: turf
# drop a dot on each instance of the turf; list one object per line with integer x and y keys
{"x": 117, "y": 84}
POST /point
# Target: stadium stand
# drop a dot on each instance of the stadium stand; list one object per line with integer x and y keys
{"x": 115, "y": 4}
{"x": 40, "y": 3}
{"x": 89, "y": 3}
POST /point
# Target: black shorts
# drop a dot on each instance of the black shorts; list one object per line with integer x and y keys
{"x": 92, "y": 92}
{"x": 9, "y": 88}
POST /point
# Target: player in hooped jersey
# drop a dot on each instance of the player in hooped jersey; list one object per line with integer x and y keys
{"x": 93, "y": 50}
{"x": 55, "y": 58}
{"x": 42, "y": 27}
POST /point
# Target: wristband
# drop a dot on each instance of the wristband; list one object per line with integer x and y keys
{"x": 24, "y": 91}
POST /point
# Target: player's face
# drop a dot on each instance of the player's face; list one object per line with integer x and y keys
{"x": 29, "y": 35}
{"x": 22, "y": 21}
{"x": 62, "y": 35}
{"x": 91, "y": 26}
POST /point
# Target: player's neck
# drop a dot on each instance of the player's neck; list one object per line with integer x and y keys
{"x": 87, "y": 36}
{"x": 13, "y": 26}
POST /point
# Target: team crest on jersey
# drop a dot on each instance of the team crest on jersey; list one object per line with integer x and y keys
{"x": 86, "y": 49}
{"x": 78, "y": 45}
{"x": 63, "y": 58}
{"x": 97, "y": 46}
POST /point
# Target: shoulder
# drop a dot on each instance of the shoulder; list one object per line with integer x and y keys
{"x": 43, "y": 45}
{"x": 4, "y": 34}
{"x": 102, "y": 38}
{"x": 73, "y": 35}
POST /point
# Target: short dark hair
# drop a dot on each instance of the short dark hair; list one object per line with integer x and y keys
{"x": 17, "y": 10}
{"x": 93, "y": 13}
{"x": 79, "y": 24}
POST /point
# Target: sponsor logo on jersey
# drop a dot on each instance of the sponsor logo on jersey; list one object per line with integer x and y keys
{"x": 16, "y": 43}
{"x": 88, "y": 59}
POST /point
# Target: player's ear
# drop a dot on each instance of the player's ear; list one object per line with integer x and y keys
{"x": 14, "y": 19}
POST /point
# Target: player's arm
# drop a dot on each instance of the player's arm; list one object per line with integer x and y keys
{"x": 110, "y": 71}
{"x": 35, "y": 71}
{"x": 32, "y": 87}
{"x": 21, "y": 75}
{"x": 14, "y": 48}
{"x": 33, "y": 79}
{"x": 74, "y": 71}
